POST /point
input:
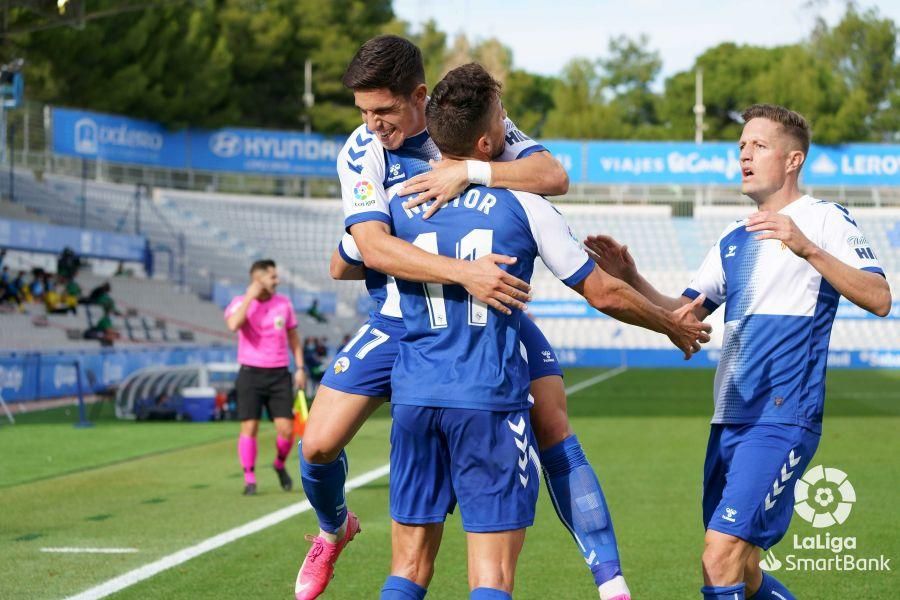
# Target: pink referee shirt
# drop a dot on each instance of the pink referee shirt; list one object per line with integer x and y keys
{"x": 262, "y": 339}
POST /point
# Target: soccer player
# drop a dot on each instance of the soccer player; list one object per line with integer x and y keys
{"x": 461, "y": 430}
{"x": 392, "y": 146}
{"x": 780, "y": 274}
{"x": 266, "y": 326}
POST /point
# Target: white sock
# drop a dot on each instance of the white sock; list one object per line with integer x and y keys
{"x": 614, "y": 588}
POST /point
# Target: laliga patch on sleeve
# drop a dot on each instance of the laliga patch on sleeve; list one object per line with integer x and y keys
{"x": 363, "y": 194}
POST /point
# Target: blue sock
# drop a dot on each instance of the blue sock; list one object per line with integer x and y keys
{"x": 581, "y": 506}
{"x": 398, "y": 588}
{"x": 324, "y": 487}
{"x": 732, "y": 592}
{"x": 770, "y": 585}
{"x": 484, "y": 593}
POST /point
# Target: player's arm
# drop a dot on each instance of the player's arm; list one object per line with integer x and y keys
{"x": 346, "y": 262}
{"x": 614, "y": 297}
{"x": 236, "y": 314}
{"x": 367, "y": 217}
{"x": 615, "y": 259}
{"x": 566, "y": 259}
{"x": 858, "y": 277}
{"x": 523, "y": 165}
{"x": 482, "y": 278}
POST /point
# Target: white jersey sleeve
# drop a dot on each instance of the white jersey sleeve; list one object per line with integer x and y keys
{"x": 556, "y": 244}
{"x": 360, "y": 167}
{"x": 349, "y": 251}
{"x": 518, "y": 145}
{"x": 710, "y": 277}
{"x": 842, "y": 239}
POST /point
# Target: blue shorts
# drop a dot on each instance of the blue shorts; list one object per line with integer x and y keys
{"x": 364, "y": 365}
{"x": 541, "y": 358}
{"x": 749, "y": 478}
{"x": 486, "y": 461}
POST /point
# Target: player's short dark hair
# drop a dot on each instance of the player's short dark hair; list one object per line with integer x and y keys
{"x": 386, "y": 61}
{"x": 262, "y": 265}
{"x": 458, "y": 111}
{"x": 793, "y": 123}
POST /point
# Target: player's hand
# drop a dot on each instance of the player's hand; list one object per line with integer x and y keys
{"x": 254, "y": 290}
{"x": 490, "y": 284}
{"x": 442, "y": 184}
{"x": 689, "y": 331}
{"x": 300, "y": 378}
{"x": 612, "y": 257}
{"x": 776, "y": 226}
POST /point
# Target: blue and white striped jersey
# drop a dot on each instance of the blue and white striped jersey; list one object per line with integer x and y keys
{"x": 778, "y": 315}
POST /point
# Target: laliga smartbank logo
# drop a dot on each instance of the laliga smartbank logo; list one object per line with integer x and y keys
{"x": 824, "y": 498}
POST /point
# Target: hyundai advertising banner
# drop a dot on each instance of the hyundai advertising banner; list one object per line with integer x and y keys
{"x": 120, "y": 139}
{"x": 263, "y": 151}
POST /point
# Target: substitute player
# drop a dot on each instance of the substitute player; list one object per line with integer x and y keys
{"x": 266, "y": 326}
{"x": 461, "y": 429}
{"x": 387, "y": 77}
{"x": 780, "y": 274}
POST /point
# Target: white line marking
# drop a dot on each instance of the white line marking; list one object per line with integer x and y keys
{"x": 90, "y": 550}
{"x": 589, "y": 382}
{"x": 167, "y": 562}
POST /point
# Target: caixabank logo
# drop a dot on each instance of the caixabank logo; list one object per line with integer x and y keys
{"x": 825, "y": 498}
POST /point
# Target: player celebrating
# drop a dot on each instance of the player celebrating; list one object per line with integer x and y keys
{"x": 266, "y": 326}
{"x": 387, "y": 77}
{"x": 461, "y": 430}
{"x": 780, "y": 274}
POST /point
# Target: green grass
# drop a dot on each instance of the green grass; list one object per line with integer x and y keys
{"x": 164, "y": 487}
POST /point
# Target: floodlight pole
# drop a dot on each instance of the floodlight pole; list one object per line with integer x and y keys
{"x": 699, "y": 109}
{"x": 308, "y": 101}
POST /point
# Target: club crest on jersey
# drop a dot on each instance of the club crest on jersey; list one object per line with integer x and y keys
{"x": 341, "y": 365}
{"x": 363, "y": 194}
{"x": 396, "y": 172}
{"x": 279, "y": 322}
{"x": 731, "y": 251}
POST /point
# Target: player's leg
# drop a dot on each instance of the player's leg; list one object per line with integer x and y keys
{"x": 421, "y": 495}
{"x": 574, "y": 487}
{"x": 414, "y": 549}
{"x": 354, "y": 386}
{"x": 492, "y": 562}
{"x": 761, "y": 585}
{"x": 280, "y": 405}
{"x": 249, "y": 409}
{"x": 754, "y": 469}
{"x": 495, "y": 477}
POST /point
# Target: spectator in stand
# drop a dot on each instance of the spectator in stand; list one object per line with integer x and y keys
{"x": 103, "y": 331}
{"x": 71, "y": 295}
{"x": 100, "y": 296}
{"x": 11, "y": 289}
{"x": 68, "y": 263}
{"x": 53, "y": 301}
{"x": 36, "y": 287}
{"x": 313, "y": 311}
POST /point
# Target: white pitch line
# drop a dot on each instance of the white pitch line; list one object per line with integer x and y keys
{"x": 90, "y": 550}
{"x": 167, "y": 562}
{"x": 593, "y": 380}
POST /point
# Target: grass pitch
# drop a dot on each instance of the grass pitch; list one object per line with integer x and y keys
{"x": 159, "y": 488}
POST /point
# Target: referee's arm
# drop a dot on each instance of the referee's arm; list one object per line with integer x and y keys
{"x": 294, "y": 343}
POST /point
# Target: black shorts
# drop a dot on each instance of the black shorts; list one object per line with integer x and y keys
{"x": 258, "y": 387}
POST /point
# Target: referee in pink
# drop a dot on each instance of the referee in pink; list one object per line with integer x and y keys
{"x": 267, "y": 327}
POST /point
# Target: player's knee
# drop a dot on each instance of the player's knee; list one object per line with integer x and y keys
{"x": 723, "y": 560}
{"x": 317, "y": 450}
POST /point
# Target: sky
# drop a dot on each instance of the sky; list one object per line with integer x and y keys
{"x": 545, "y": 34}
